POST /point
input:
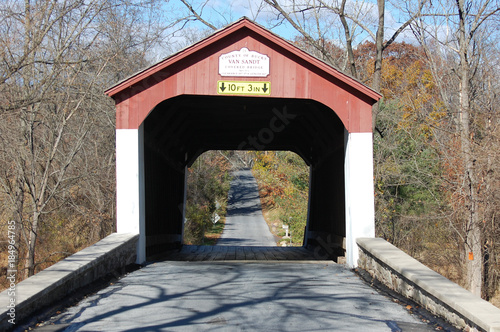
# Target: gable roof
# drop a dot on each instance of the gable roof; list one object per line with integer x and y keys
{"x": 243, "y": 23}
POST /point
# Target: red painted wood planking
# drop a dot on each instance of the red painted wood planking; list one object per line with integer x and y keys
{"x": 293, "y": 74}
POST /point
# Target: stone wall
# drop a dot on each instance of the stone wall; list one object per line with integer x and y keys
{"x": 61, "y": 279}
{"x": 408, "y": 277}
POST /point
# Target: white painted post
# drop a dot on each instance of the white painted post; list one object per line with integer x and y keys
{"x": 130, "y": 196}
{"x": 359, "y": 195}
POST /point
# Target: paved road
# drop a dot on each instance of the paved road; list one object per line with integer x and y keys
{"x": 202, "y": 296}
{"x": 245, "y": 224}
{"x": 256, "y": 295}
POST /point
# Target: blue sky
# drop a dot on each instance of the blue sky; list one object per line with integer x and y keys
{"x": 222, "y": 12}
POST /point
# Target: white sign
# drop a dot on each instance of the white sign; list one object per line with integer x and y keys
{"x": 285, "y": 227}
{"x": 244, "y": 63}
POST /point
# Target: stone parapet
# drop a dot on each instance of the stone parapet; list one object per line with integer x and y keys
{"x": 405, "y": 275}
{"x": 61, "y": 279}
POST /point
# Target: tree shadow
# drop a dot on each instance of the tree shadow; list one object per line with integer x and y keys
{"x": 232, "y": 296}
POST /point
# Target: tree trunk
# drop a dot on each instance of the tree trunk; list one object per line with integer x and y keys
{"x": 377, "y": 73}
{"x": 30, "y": 257}
{"x": 17, "y": 216}
{"x": 473, "y": 230}
{"x": 348, "y": 40}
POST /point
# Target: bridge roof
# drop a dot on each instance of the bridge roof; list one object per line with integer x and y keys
{"x": 293, "y": 74}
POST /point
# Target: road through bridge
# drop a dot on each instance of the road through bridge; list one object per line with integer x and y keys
{"x": 246, "y": 284}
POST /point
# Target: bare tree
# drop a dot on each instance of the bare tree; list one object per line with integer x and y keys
{"x": 39, "y": 79}
{"x": 456, "y": 31}
{"x": 57, "y": 127}
{"x": 353, "y": 16}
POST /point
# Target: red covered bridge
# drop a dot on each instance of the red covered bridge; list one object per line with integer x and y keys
{"x": 243, "y": 88}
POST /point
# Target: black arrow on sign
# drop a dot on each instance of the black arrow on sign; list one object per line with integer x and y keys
{"x": 265, "y": 88}
{"x": 222, "y": 87}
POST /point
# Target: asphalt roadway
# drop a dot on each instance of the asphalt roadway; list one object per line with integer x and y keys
{"x": 245, "y": 224}
{"x": 238, "y": 296}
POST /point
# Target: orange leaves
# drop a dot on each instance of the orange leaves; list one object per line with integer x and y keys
{"x": 419, "y": 100}
{"x": 428, "y": 80}
{"x": 280, "y": 176}
{"x": 408, "y": 82}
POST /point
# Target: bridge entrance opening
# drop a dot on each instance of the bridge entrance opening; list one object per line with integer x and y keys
{"x": 243, "y": 88}
{"x": 180, "y": 129}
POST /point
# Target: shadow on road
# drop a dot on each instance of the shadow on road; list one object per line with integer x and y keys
{"x": 237, "y": 297}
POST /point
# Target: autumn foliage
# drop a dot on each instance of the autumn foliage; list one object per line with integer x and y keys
{"x": 207, "y": 189}
{"x": 422, "y": 203}
{"x": 283, "y": 179}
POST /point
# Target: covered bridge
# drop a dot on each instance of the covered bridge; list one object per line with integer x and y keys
{"x": 243, "y": 88}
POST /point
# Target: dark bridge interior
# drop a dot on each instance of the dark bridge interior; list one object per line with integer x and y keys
{"x": 179, "y": 129}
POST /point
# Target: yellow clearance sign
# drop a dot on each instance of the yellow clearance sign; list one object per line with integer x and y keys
{"x": 244, "y": 88}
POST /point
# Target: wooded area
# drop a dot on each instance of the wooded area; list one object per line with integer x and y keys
{"x": 436, "y": 131}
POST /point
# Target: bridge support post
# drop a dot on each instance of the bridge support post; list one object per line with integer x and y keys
{"x": 130, "y": 193}
{"x": 359, "y": 195}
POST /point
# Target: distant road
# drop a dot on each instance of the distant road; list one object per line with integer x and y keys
{"x": 245, "y": 224}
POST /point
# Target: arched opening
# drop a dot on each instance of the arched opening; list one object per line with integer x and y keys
{"x": 170, "y": 113}
{"x": 179, "y": 129}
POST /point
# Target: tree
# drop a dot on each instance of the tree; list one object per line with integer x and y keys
{"x": 40, "y": 74}
{"x": 207, "y": 191}
{"x": 407, "y": 172}
{"x": 353, "y": 17}
{"x": 454, "y": 35}
{"x": 55, "y": 64}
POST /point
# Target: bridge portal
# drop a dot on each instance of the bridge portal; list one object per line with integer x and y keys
{"x": 243, "y": 88}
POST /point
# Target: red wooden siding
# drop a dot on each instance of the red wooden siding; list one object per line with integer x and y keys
{"x": 293, "y": 74}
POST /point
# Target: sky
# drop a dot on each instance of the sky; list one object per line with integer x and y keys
{"x": 223, "y": 12}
